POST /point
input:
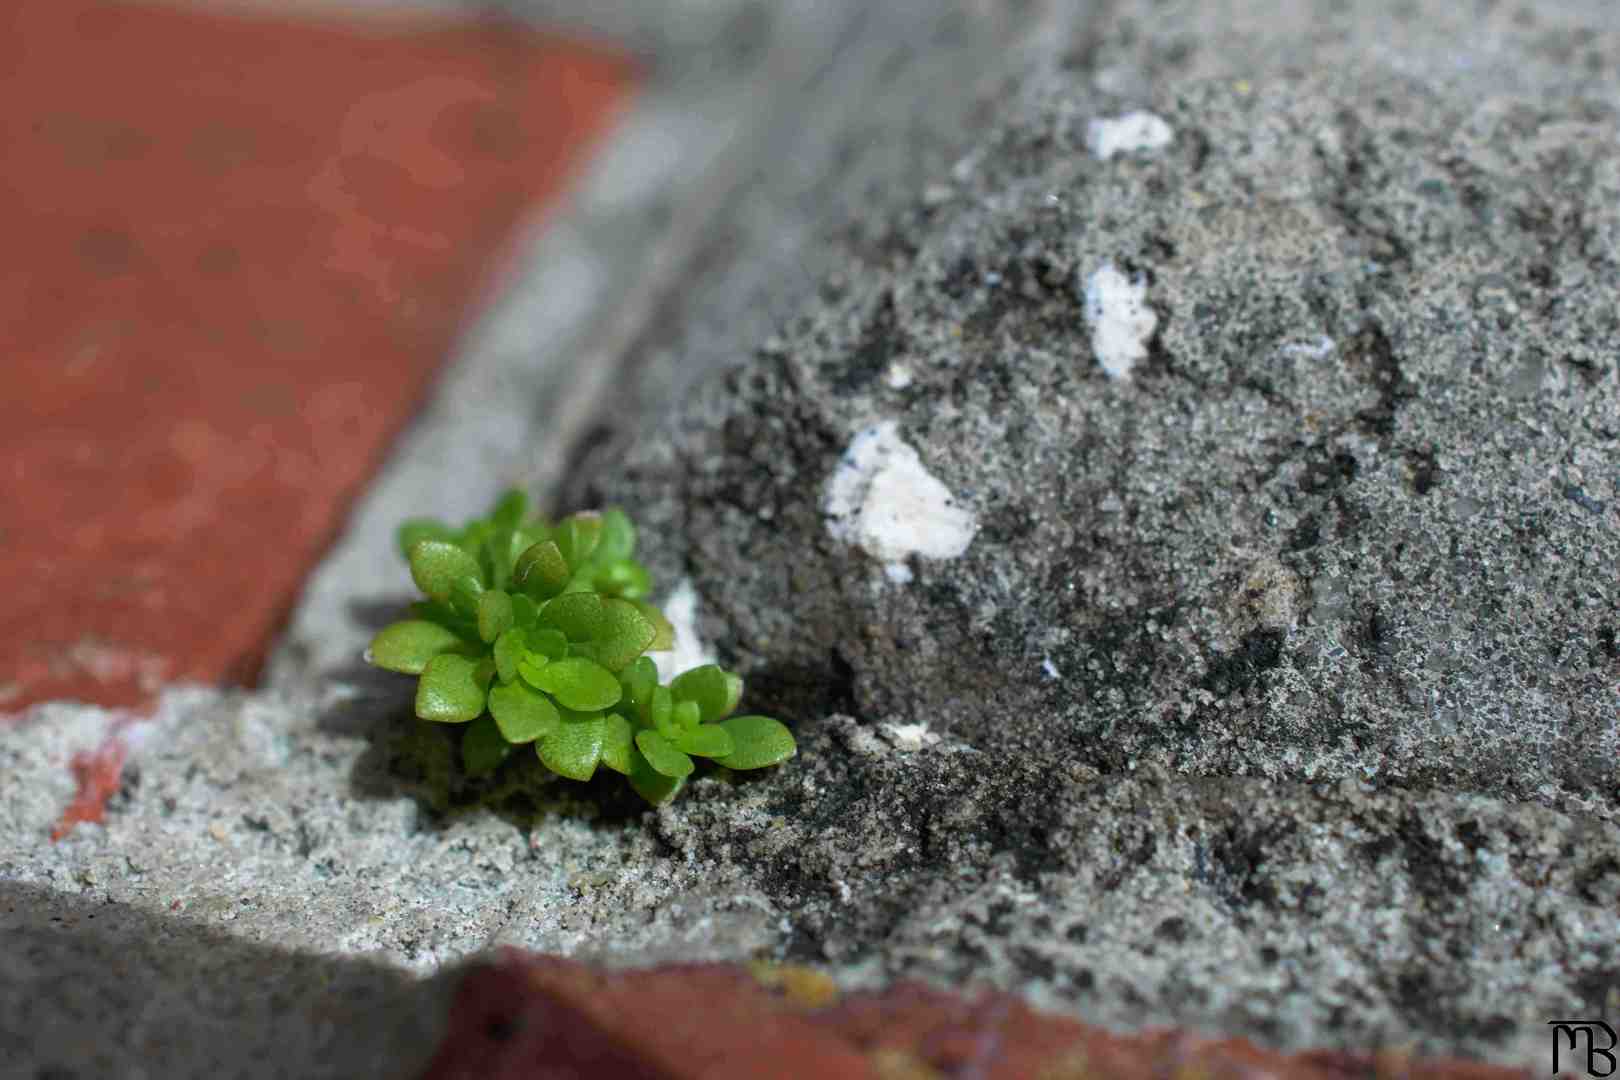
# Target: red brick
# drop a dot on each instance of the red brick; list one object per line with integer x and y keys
{"x": 522, "y": 1016}
{"x": 237, "y": 251}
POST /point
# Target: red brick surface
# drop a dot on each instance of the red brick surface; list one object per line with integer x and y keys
{"x": 523, "y": 1016}
{"x": 236, "y": 251}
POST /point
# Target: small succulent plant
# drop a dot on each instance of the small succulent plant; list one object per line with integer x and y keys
{"x": 536, "y": 634}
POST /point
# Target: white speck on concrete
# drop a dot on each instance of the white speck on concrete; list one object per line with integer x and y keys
{"x": 908, "y": 737}
{"x": 898, "y": 376}
{"x": 882, "y": 499}
{"x": 1121, "y": 320}
{"x": 1132, "y": 133}
{"x": 1313, "y": 349}
{"x": 680, "y": 608}
{"x": 1050, "y": 668}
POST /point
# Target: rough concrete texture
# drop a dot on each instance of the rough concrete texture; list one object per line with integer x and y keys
{"x": 1277, "y": 690}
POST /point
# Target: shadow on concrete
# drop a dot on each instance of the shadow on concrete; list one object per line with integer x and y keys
{"x": 90, "y": 987}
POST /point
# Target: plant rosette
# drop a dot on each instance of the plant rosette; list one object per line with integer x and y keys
{"x": 536, "y": 634}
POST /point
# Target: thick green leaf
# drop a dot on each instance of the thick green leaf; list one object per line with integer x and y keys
{"x": 541, "y": 571}
{"x": 707, "y": 740}
{"x": 662, "y": 755}
{"x": 638, "y": 681}
{"x": 525, "y": 612}
{"x": 588, "y": 649}
{"x": 577, "y": 536}
{"x": 497, "y": 558}
{"x": 665, "y": 638}
{"x": 651, "y": 784}
{"x": 757, "y": 741}
{"x": 407, "y": 535}
{"x": 659, "y": 708}
{"x": 685, "y": 715}
{"x": 617, "y": 743}
{"x": 713, "y": 689}
{"x": 494, "y": 614}
{"x": 523, "y": 713}
{"x": 579, "y": 683}
{"x": 406, "y": 647}
{"x": 531, "y": 668}
{"x": 482, "y": 748}
{"x": 452, "y": 689}
{"x": 465, "y": 596}
{"x": 625, "y": 635}
{"x": 509, "y": 649}
{"x": 575, "y": 747}
{"x": 549, "y": 644}
{"x": 623, "y": 578}
{"x": 618, "y": 539}
{"x": 578, "y": 615}
{"x": 437, "y": 566}
{"x": 508, "y": 511}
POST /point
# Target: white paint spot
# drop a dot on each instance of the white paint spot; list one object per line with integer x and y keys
{"x": 1132, "y": 133}
{"x": 689, "y": 652}
{"x": 882, "y": 499}
{"x": 1121, "y": 320}
{"x": 1050, "y": 668}
{"x": 908, "y": 738}
{"x": 898, "y": 376}
{"x": 1313, "y": 349}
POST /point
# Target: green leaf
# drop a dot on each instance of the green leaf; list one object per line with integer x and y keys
{"x": 578, "y": 615}
{"x": 531, "y": 668}
{"x": 618, "y": 539}
{"x": 626, "y": 634}
{"x": 638, "y": 681}
{"x": 624, "y": 578}
{"x": 509, "y": 649}
{"x": 474, "y": 536}
{"x": 525, "y": 612}
{"x": 508, "y": 511}
{"x": 452, "y": 689}
{"x": 651, "y": 784}
{"x": 548, "y": 643}
{"x": 617, "y": 743}
{"x": 416, "y": 529}
{"x": 577, "y": 536}
{"x": 438, "y": 566}
{"x": 482, "y": 748}
{"x": 465, "y": 595}
{"x": 659, "y": 707}
{"x": 708, "y": 740}
{"x": 757, "y": 741}
{"x": 580, "y": 684}
{"x": 522, "y": 713}
{"x": 575, "y": 747}
{"x": 494, "y": 614}
{"x": 406, "y": 647}
{"x": 714, "y": 690}
{"x": 665, "y": 638}
{"x": 685, "y": 715}
{"x": 663, "y": 756}
{"x": 496, "y": 558}
{"x": 541, "y": 571}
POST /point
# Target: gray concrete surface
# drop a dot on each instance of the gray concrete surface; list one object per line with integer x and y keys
{"x": 1268, "y": 685}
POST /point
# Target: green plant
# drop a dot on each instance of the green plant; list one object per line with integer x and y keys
{"x": 535, "y": 634}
